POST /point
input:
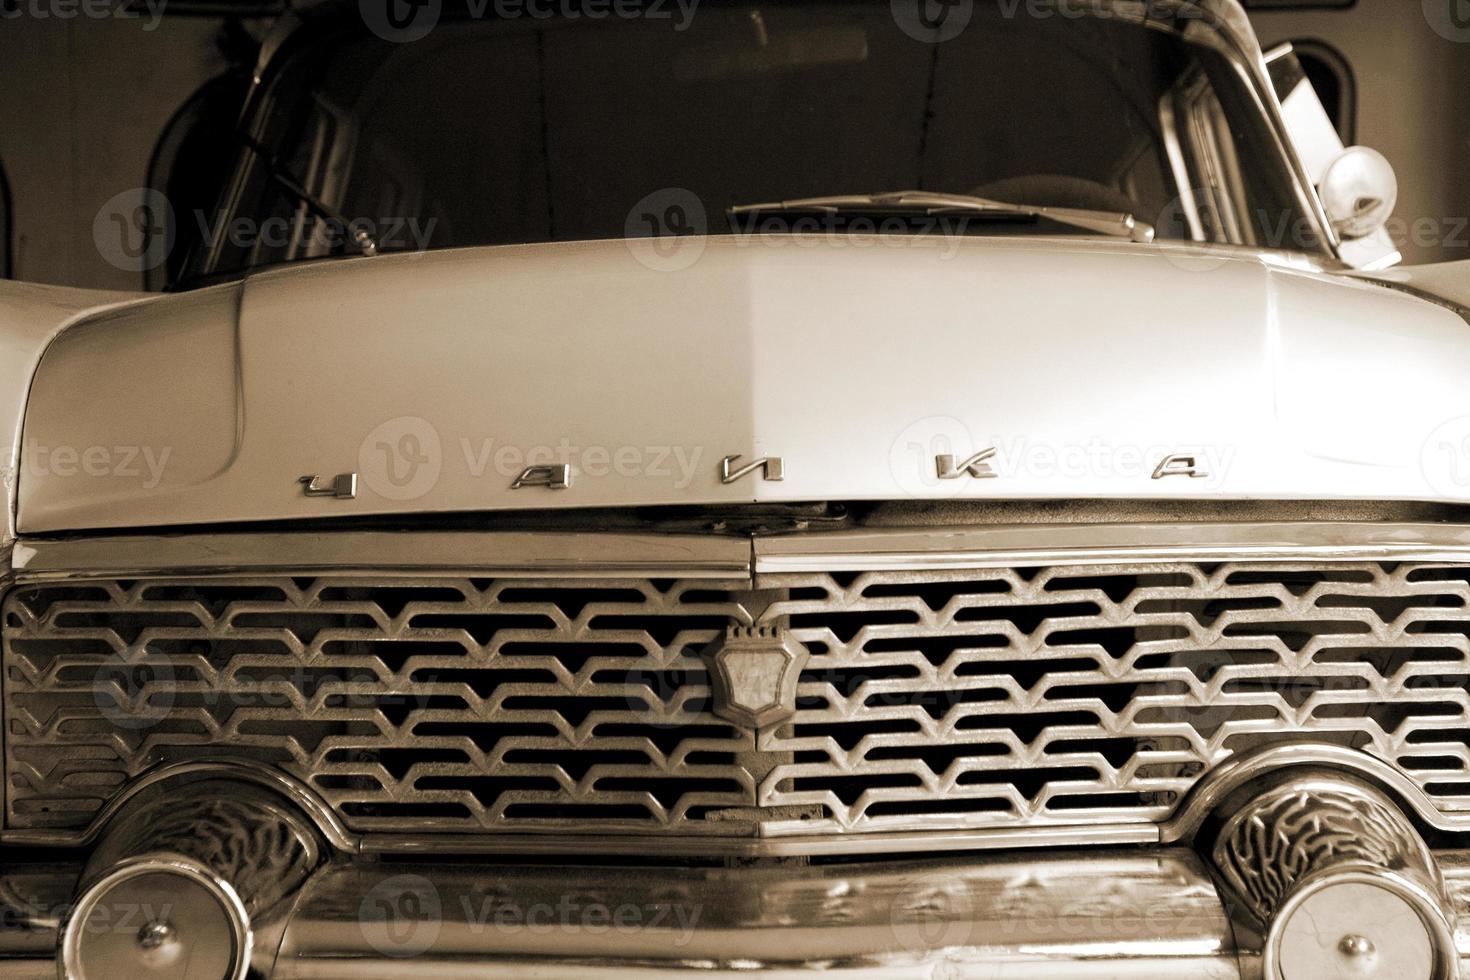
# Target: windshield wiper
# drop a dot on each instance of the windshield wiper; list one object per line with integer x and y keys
{"x": 289, "y": 183}
{"x": 1114, "y": 223}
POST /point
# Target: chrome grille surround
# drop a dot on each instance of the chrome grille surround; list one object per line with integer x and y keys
{"x": 1091, "y": 694}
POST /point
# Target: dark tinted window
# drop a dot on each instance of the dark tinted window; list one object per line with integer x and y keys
{"x": 530, "y": 131}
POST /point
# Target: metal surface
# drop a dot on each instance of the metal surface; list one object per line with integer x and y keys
{"x": 977, "y": 466}
{"x": 30, "y": 316}
{"x": 595, "y": 553}
{"x": 1276, "y": 415}
{"x": 1075, "y": 915}
{"x": 342, "y": 487}
{"x": 188, "y": 876}
{"x": 239, "y": 831}
{"x": 1037, "y": 915}
{"x": 1325, "y": 876}
{"x": 927, "y": 203}
{"x": 772, "y": 469}
{"x": 34, "y": 896}
{"x": 1085, "y": 698}
{"x": 204, "y": 929}
{"x": 551, "y": 477}
{"x": 900, "y": 549}
{"x": 753, "y": 673}
{"x": 1092, "y": 914}
{"x": 1309, "y": 824}
{"x": 499, "y": 554}
{"x": 1359, "y": 926}
{"x": 1292, "y": 350}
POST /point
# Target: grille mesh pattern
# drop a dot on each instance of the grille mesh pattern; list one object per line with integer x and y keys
{"x": 991, "y": 698}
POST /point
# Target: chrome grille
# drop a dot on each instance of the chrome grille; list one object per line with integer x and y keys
{"x": 956, "y": 699}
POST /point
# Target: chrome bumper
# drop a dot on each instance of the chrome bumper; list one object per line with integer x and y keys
{"x": 1075, "y": 914}
{"x": 1072, "y": 915}
{"x": 1299, "y": 869}
{"x": 1145, "y": 914}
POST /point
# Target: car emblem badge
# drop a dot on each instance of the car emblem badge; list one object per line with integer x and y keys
{"x": 1181, "y": 464}
{"x": 551, "y": 477}
{"x": 772, "y": 468}
{"x": 343, "y": 486}
{"x": 977, "y": 466}
{"x": 754, "y": 671}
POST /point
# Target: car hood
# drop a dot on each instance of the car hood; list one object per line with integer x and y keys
{"x": 437, "y": 379}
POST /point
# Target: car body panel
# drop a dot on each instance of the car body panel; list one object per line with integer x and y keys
{"x": 30, "y": 316}
{"x": 438, "y": 378}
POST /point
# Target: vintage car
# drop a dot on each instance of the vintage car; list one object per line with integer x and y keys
{"x": 931, "y": 489}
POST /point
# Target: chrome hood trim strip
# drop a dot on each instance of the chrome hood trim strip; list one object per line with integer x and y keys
{"x": 729, "y": 557}
{"x": 1073, "y": 544}
{"x": 503, "y": 554}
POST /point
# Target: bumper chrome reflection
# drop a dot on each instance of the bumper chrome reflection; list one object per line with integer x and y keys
{"x": 1152, "y": 914}
{"x": 1079, "y": 913}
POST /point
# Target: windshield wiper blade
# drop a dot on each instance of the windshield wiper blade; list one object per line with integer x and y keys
{"x": 288, "y": 182}
{"x": 1117, "y": 224}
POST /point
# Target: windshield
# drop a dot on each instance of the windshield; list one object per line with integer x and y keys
{"x": 525, "y": 129}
